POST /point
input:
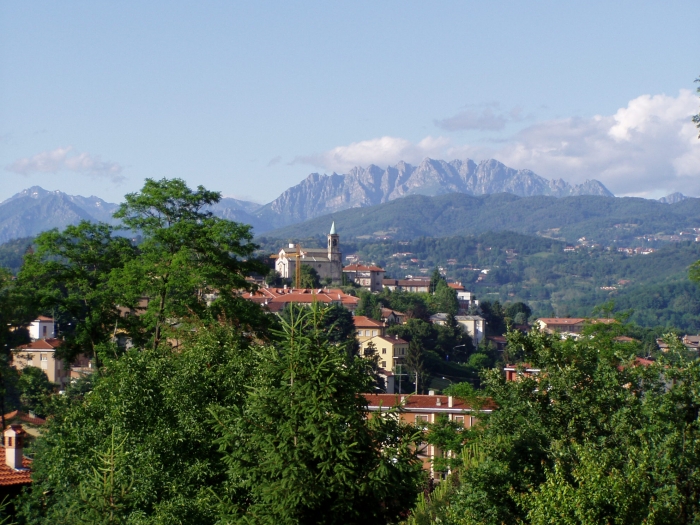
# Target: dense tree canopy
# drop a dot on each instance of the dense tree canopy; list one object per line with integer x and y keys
{"x": 594, "y": 438}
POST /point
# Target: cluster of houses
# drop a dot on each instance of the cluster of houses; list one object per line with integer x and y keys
{"x": 371, "y": 334}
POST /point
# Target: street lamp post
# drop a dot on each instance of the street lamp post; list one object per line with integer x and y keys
{"x": 454, "y": 348}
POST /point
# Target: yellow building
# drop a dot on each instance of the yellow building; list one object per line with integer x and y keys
{"x": 390, "y": 350}
{"x": 41, "y": 354}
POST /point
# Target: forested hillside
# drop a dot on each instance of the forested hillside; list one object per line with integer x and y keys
{"x": 508, "y": 266}
{"x": 599, "y": 219}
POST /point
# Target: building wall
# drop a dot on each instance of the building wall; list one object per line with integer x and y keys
{"x": 54, "y": 369}
{"x": 41, "y": 329}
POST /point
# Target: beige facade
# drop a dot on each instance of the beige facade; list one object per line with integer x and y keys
{"x": 41, "y": 354}
{"x": 368, "y": 277}
{"x": 366, "y": 328}
{"x": 390, "y": 350}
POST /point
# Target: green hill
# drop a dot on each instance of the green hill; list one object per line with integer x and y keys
{"x": 602, "y": 219}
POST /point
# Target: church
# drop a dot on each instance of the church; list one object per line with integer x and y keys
{"x": 328, "y": 262}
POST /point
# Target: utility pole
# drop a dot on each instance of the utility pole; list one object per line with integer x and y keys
{"x": 416, "y": 382}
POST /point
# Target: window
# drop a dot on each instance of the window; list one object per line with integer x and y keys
{"x": 383, "y": 364}
{"x": 421, "y": 421}
{"x": 359, "y": 332}
{"x": 403, "y": 351}
{"x": 375, "y": 332}
{"x": 367, "y": 333}
{"x": 44, "y": 357}
{"x": 460, "y": 420}
{"x": 44, "y": 330}
{"x": 383, "y": 350}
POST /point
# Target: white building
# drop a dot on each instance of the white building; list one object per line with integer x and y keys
{"x": 42, "y": 328}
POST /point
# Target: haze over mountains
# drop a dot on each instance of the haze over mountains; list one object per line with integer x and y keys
{"x": 35, "y": 209}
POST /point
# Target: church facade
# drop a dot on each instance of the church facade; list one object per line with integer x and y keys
{"x": 327, "y": 262}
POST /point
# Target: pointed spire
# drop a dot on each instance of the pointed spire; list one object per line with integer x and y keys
{"x": 333, "y": 228}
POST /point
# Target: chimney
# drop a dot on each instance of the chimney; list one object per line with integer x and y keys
{"x": 14, "y": 444}
{"x": 438, "y": 401}
{"x": 449, "y": 401}
{"x": 431, "y": 392}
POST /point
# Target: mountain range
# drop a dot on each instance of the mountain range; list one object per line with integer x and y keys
{"x": 323, "y": 194}
{"x": 35, "y": 209}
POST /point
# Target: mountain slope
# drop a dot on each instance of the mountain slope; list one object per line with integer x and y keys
{"x": 361, "y": 187}
{"x": 35, "y": 210}
{"x": 601, "y": 218}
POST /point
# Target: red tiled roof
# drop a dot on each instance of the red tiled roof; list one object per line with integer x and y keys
{"x": 276, "y": 298}
{"x": 362, "y": 268}
{"x": 22, "y": 416}
{"x": 44, "y": 318}
{"x": 41, "y": 344}
{"x": 456, "y": 286}
{"x": 9, "y": 476}
{"x": 420, "y": 402}
{"x": 363, "y": 321}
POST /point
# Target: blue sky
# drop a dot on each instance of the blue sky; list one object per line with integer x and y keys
{"x": 249, "y": 98}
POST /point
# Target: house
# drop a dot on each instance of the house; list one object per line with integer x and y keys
{"x": 499, "y": 341}
{"x": 41, "y": 354}
{"x": 328, "y": 262}
{"x": 369, "y": 277}
{"x": 515, "y": 372}
{"x": 366, "y": 328}
{"x": 391, "y": 351}
{"x": 390, "y": 316}
{"x": 31, "y": 424}
{"x": 42, "y": 328}
{"x": 568, "y": 325}
{"x": 407, "y": 285}
{"x": 15, "y": 469}
{"x": 421, "y": 410}
{"x": 474, "y": 325}
{"x": 276, "y": 299}
{"x": 691, "y": 342}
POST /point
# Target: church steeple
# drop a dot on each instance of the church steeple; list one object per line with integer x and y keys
{"x": 333, "y": 244}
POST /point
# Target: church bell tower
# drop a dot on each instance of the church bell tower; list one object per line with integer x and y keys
{"x": 333, "y": 244}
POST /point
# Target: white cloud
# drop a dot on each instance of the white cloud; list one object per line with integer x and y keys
{"x": 381, "y": 151}
{"x": 649, "y": 148}
{"x": 61, "y": 159}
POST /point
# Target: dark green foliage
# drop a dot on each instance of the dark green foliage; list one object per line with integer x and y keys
{"x": 34, "y": 390}
{"x": 186, "y": 255}
{"x": 68, "y": 276}
{"x": 570, "y": 218}
{"x": 309, "y": 277}
{"x": 12, "y": 253}
{"x": 444, "y": 299}
{"x": 300, "y": 449}
{"x": 153, "y": 404}
{"x": 593, "y": 439}
{"x": 369, "y": 305}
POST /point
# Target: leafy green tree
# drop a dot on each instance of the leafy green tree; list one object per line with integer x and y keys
{"x": 69, "y": 275}
{"x": 187, "y": 255}
{"x": 448, "y": 437}
{"x": 153, "y": 404}
{"x": 34, "y": 388}
{"x": 369, "y": 305}
{"x": 444, "y": 299}
{"x": 336, "y": 321}
{"x": 302, "y": 450}
{"x": 593, "y": 438}
{"x": 309, "y": 277}
{"x": 696, "y": 118}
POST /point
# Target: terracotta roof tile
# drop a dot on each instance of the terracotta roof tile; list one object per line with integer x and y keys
{"x": 363, "y": 321}
{"x": 22, "y": 416}
{"x": 41, "y": 344}
{"x": 9, "y": 476}
{"x": 362, "y": 268}
{"x": 420, "y": 402}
